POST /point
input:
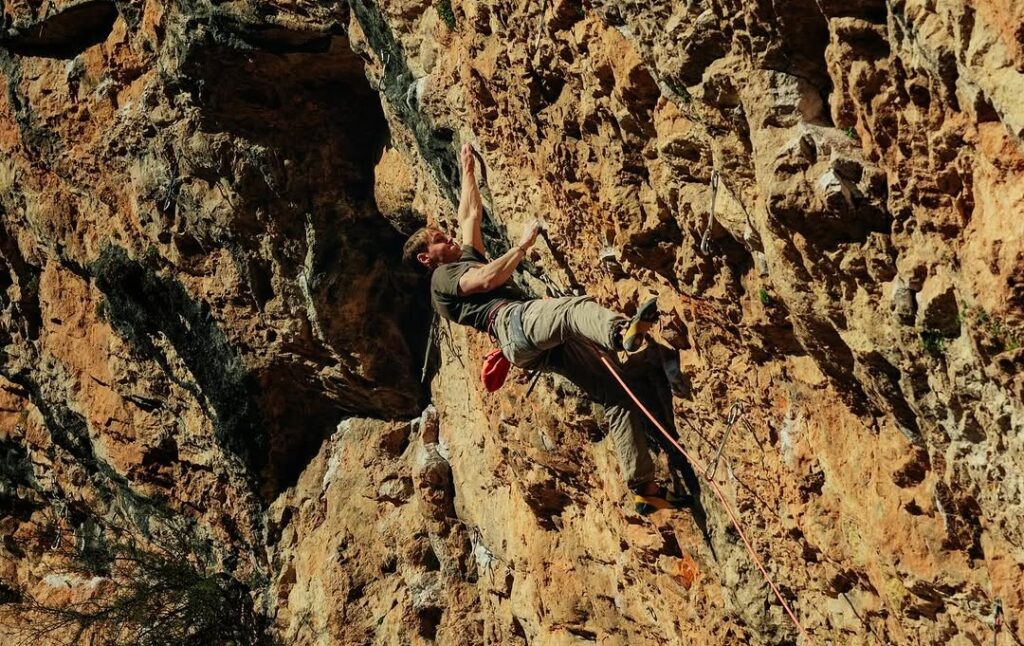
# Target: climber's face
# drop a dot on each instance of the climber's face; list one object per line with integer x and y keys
{"x": 441, "y": 249}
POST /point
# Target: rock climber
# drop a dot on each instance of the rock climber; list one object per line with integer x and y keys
{"x": 556, "y": 334}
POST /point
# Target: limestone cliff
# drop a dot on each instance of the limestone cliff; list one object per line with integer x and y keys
{"x": 209, "y": 341}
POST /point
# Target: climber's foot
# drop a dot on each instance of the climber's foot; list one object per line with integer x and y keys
{"x": 651, "y": 498}
{"x": 641, "y": 322}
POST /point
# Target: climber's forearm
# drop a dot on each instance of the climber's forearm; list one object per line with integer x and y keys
{"x": 470, "y": 213}
{"x": 470, "y": 204}
{"x": 492, "y": 275}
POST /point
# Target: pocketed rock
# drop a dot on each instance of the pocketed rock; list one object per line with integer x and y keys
{"x": 202, "y": 307}
{"x": 938, "y": 308}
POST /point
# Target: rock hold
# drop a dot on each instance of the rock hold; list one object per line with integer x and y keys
{"x": 938, "y": 309}
{"x": 202, "y": 207}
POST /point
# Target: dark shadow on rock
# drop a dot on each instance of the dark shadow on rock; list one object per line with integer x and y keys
{"x": 881, "y": 382}
{"x": 17, "y": 481}
{"x": 26, "y": 307}
{"x": 307, "y": 103}
{"x": 306, "y": 130}
{"x": 68, "y": 429}
{"x": 644, "y": 374}
{"x": 64, "y": 34}
{"x": 143, "y": 306}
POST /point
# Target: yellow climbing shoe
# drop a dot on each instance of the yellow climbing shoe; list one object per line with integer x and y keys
{"x": 662, "y": 499}
{"x": 642, "y": 321}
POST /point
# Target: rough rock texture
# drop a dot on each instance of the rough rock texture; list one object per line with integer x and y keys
{"x": 201, "y": 210}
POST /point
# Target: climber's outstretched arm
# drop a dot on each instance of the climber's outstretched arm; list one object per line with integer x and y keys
{"x": 493, "y": 275}
{"x": 471, "y": 208}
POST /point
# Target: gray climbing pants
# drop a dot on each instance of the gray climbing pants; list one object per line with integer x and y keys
{"x": 556, "y": 335}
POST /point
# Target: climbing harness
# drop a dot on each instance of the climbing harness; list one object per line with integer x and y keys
{"x": 711, "y": 213}
{"x": 730, "y": 422}
{"x": 718, "y": 493}
{"x": 496, "y": 365}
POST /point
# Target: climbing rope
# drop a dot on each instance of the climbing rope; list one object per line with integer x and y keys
{"x": 711, "y": 214}
{"x": 718, "y": 492}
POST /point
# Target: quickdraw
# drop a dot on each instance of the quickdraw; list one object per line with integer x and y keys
{"x": 730, "y": 423}
{"x": 711, "y": 214}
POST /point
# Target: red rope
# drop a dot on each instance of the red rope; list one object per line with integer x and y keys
{"x": 718, "y": 492}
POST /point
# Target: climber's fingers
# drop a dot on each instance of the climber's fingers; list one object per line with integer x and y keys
{"x": 468, "y": 163}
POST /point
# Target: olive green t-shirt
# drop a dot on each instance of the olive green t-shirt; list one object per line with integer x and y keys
{"x": 467, "y": 309}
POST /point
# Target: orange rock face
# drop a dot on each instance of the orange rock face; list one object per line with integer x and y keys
{"x": 204, "y": 313}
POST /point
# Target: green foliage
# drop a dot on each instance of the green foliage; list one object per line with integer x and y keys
{"x": 933, "y": 342}
{"x": 31, "y": 288}
{"x": 851, "y": 132}
{"x": 1003, "y": 335}
{"x": 766, "y": 300}
{"x": 1000, "y": 335}
{"x": 157, "y": 589}
{"x": 444, "y": 9}
{"x": 684, "y": 94}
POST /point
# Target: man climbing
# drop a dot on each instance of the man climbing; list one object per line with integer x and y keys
{"x": 556, "y": 334}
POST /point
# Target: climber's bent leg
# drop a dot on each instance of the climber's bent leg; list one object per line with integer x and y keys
{"x": 553, "y": 321}
{"x": 579, "y": 362}
{"x": 626, "y": 428}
